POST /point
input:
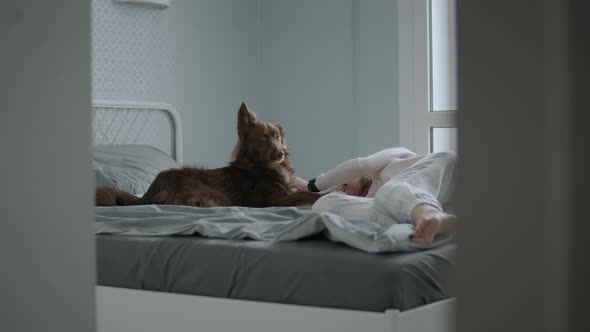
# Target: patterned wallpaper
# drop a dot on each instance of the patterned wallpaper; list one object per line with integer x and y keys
{"x": 132, "y": 52}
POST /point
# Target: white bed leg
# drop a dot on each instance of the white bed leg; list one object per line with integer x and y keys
{"x": 434, "y": 317}
{"x": 392, "y": 320}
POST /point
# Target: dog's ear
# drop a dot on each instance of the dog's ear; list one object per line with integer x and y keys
{"x": 281, "y": 131}
{"x": 245, "y": 119}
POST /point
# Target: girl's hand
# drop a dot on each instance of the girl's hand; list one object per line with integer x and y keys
{"x": 298, "y": 184}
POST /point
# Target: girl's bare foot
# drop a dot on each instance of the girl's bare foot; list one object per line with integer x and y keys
{"x": 429, "y": 222}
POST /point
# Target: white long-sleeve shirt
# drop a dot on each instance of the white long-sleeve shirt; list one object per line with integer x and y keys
{"x": 384, "y": 165}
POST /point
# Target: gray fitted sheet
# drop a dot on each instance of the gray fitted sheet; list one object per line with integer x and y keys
{"x": 311, "y": 272}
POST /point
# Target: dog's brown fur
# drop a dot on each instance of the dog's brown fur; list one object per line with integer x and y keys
{"x": 258, "y": 176}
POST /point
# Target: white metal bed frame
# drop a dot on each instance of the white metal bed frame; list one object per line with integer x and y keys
{"x": 127, "y": 310}
{"x": 137, "y": 132}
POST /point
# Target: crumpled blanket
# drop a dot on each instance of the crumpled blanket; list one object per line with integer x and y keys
{"x": 365, "y": 229}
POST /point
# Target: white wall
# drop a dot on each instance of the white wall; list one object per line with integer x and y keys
{"x": 328, "y": 73}
{"x": 46, "y": 244}
{"x": 216, "y": 56}
{"x": 306, "y": 83}
{"x": 375, "y": 75}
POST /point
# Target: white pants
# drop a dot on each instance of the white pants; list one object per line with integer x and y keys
{"x": 429, "y": 181}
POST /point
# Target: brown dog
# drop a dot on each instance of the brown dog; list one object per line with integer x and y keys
{"x": 259, "y": 175}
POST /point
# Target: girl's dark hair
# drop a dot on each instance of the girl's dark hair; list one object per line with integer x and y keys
{"x": 366, "y": 182}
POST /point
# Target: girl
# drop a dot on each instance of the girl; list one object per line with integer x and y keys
{"x": 419, "y": 188}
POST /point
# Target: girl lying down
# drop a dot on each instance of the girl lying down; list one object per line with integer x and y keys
{"x": 409, "y": 187}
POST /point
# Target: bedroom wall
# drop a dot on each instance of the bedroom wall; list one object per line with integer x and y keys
{"x": 328, "y": 72}
{"x": 198, "y": 56}
{"x": 326, "y": 69}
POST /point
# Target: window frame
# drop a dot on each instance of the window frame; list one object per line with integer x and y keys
{"x": 414, "y": 87}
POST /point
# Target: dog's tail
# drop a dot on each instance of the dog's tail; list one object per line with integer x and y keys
{"x": 108, "y": 196}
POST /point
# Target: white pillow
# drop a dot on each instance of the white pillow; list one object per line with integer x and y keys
{"x": 129, "y": 167}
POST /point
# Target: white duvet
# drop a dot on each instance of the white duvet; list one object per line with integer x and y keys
{"x": 366, "y": 226}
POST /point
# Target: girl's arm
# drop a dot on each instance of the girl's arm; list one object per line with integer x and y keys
{"x": 358, "y": 167}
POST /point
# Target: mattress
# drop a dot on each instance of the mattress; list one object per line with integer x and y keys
{"x": 311, "y": 272}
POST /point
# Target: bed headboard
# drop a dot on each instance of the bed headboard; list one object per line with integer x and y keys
{"x": 129, "y": 122}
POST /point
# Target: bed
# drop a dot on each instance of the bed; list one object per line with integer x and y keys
{"x": 196, "y": 283}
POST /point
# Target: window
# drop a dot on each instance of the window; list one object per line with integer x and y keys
{"x": 427, "y": 75}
